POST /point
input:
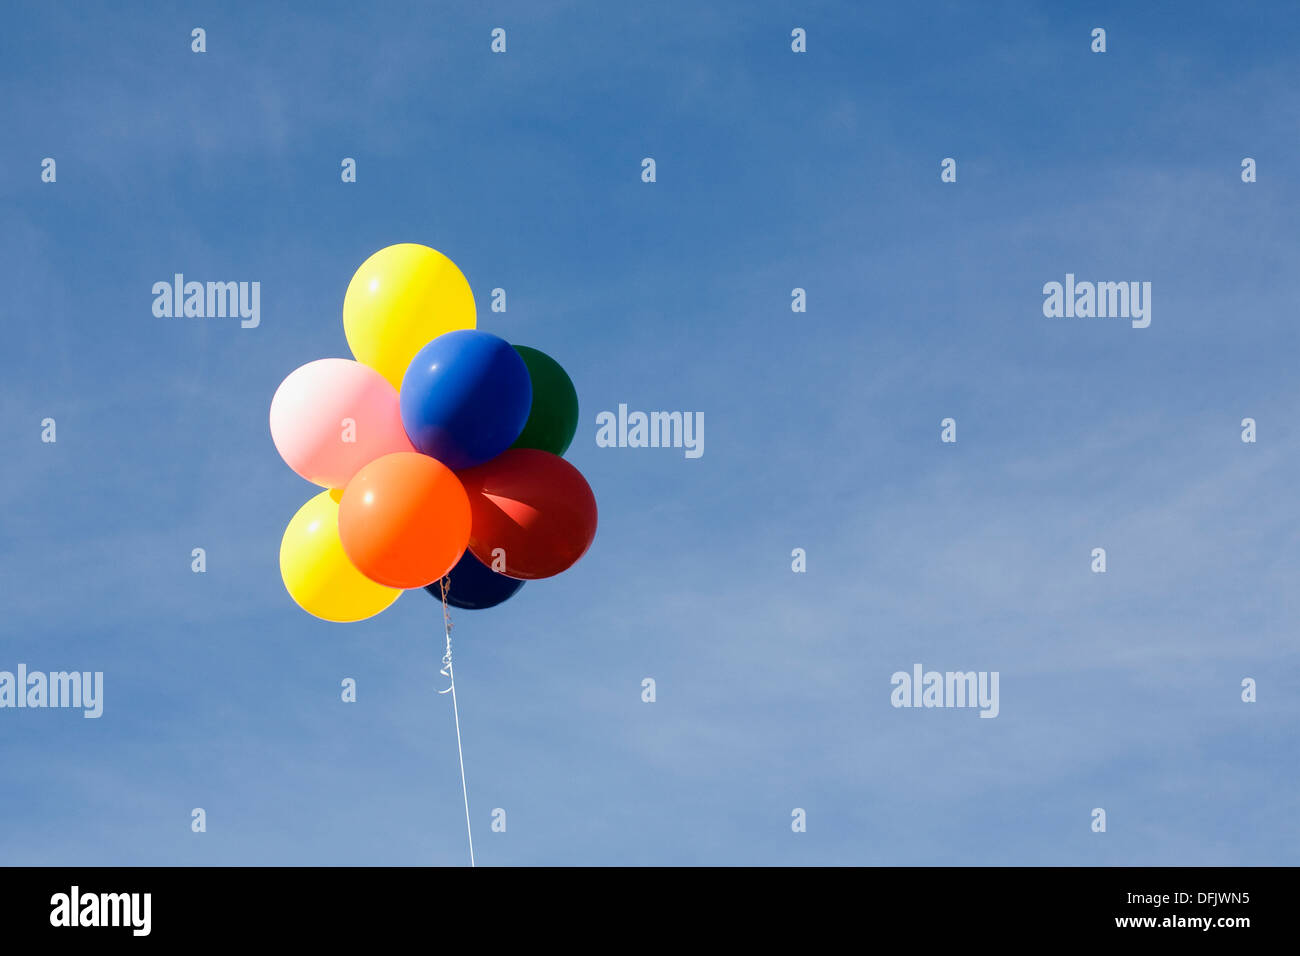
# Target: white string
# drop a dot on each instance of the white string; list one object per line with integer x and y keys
{"x": 450, "y": 674}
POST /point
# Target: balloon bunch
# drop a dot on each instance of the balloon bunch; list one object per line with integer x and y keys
{"x": 440, "y": 448}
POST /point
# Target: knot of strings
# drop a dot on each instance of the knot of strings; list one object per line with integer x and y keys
{"x": 446, "y": 657}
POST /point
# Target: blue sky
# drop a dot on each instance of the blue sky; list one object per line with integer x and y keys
{"x": 775, "y": 170}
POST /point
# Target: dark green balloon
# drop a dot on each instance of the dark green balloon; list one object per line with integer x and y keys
{"x": 553, "y": 419}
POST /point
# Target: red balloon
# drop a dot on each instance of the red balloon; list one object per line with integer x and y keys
{"x": 534, "y": 506}
{"x": 404, "y": 520}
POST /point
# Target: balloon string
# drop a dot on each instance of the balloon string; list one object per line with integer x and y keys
{"x": 450, "y": 674}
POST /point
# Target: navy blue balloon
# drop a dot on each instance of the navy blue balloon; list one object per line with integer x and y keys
{"x": 465, "y": 398}
{"x": 474, "y": 586}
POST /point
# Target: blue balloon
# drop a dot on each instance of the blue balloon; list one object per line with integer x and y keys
{"x": 465, "y": 398}
{"x": 473, "y": 586}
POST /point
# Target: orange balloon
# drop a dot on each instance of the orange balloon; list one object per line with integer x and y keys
{"x": 404, "y": 520}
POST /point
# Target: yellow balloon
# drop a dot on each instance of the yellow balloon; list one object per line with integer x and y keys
{"x": 318, "y": 574}
{"x": 401, "y": 298}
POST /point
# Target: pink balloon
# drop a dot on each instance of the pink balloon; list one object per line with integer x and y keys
{"x": 332, "y": 417}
